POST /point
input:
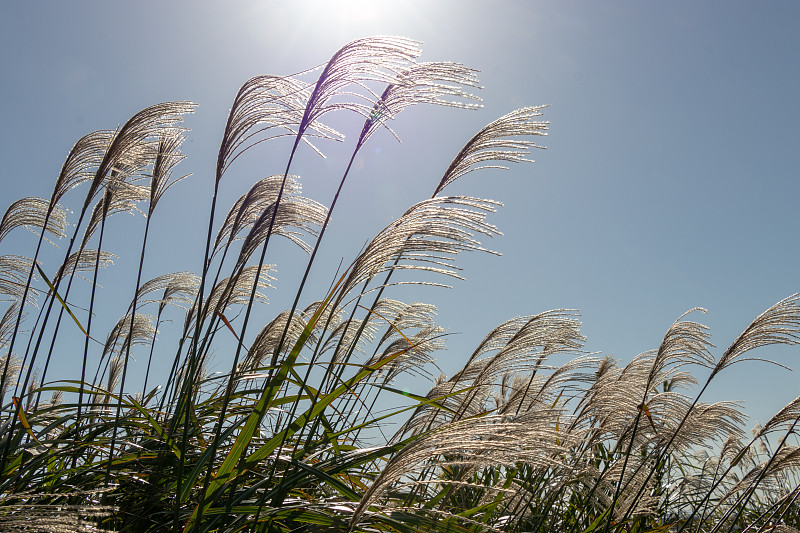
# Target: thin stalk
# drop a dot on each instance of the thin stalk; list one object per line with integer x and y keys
{"x": 745, "y": 499}
{"x": 18, "y": 321}
{"x": 6, "y": 448}
{"x": 152, "y": 348}
{"x": 88, "y": 325}
{"x": 199, "y": 306}
{"x": 251, "y": 301}
{"x": 128, "y": 347}
{"x": 302, "y": 285}
{"x": 663, "y": 451}
{"x": 627, "y": 455}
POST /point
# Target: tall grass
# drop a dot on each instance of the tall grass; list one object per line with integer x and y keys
{"x": 290, "y": 436}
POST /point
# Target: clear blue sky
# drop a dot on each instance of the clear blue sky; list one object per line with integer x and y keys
{"x": 670, "y": 180}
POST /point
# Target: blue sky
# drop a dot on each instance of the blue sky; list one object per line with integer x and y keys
{"x": 669, "y": 179}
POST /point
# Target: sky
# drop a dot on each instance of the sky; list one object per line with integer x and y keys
{"x": 669, "y": 180}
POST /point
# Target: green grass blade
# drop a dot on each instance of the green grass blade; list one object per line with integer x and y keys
{"x": 62, "y": 302}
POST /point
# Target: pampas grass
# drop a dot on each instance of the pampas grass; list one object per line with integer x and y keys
{"x": 290, "y": 434}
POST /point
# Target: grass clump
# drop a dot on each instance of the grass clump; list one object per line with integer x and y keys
{"x": 285, "y": 439}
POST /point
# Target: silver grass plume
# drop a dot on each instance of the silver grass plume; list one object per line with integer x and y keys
{"x": 225, "y": 294}
{"x": 541, "y": 335}
{"x": 415, "y": 350}
{"x": 404, "y": 316}
{"x": 33, "y": 384}
{"x": 24, "y": 511}
{"x": 56, "y": 398}
{"x": 329, "y": 317}
{"x": 703, "y": 423}
{"x": 520, "y": 345}
{"x": 426, "y": 237}
{"x": 418, "y": 84}
{"x": 119, "y": 197}
{"x": 402, "y": 319}
{"x": 119, "y": 338}
{"x": 528, "y": 392}
{"x": 114, "y": 375}
{"x": 780, "y": 324}
{"x": 84, "y": 261}
{"x": 438, "y": 83}
{"x": 379, "y": 59}
{"x": 262, "y": 105}
{"x": 197, "y": 377}
{"x": 473, "y": 443}
{"x": 32, "y": 213}
{"x": 362, "y": 332}
{"x": 266, "y": 342}
{"x": 361, "y": 61}
{"x": 14, "y": 366}
{"x": 14, "y": 271}
{"x": 352, "y": 334}
{"x": 8, "y": 323}
{"x": 613, "y": 401}
{"x": 684, "y": 343}
{"x": 495, "y": 340}
{"x": 82, "y": 162}
{"x": 295, "y": 215}
{"x": 495, "y": 144}
{"x": 250, "y": 206}
{"x": 168, "y": 155}
{"x": 179, "y": 289}
{"x": 135, "y": 145}
{"x": 789, "y": 414}
{"x": 785, "y": 459}
{"x": 239, "y": 292}
{"x": 783, "y": 528}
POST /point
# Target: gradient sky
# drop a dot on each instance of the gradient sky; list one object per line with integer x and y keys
{"x": 669, "y": 181}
